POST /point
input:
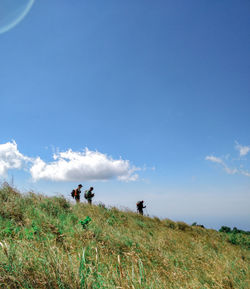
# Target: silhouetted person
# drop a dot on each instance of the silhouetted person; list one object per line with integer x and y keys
{"x": 77, "y": 193}
{"x": 89, "y": 195}
{"x": 140, "y": 207}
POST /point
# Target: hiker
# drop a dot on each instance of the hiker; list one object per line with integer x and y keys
{"x": 140, "y": 207}
{"x": 89, "y": 195}
{"x": 76, "y": 193}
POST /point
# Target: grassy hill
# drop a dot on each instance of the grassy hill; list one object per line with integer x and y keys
{"x": 44, "y": 245}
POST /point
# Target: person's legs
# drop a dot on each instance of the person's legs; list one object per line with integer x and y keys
{"x": 77, "y": 199}
{"x": 89, "y": 201}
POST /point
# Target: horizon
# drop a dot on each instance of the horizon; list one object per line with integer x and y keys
{"x": 140, "y": 100}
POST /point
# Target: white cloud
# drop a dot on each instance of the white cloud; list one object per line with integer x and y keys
{"x": 245, "y": 173}
{"x": 243, "y": 150}
{"x": 86, "y": 165}
{"x": 214, "y": 159}
{"x": 230, "y": 171}
{"x": 221, "y": 162}
{"x": 11, "y": 158}
{"x": 68, "y": 165}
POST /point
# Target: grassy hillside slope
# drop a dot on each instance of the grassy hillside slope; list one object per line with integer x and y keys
{"x": 43, "y": 245}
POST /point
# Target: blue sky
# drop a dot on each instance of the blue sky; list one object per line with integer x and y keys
{"x": 158, "y": 91}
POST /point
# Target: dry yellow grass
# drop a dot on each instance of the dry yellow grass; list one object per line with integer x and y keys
{"x": 43, "y": 245}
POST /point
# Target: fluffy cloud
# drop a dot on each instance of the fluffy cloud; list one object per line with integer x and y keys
{"x": 86, "y": 165}
{"x": 221, "y": 162}
{"x": 67, "y": 166}
{"x": 243, "y": 150}
{"x": 11, "y": 158}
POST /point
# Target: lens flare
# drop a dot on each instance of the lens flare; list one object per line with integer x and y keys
{"x": 12, "y": 12}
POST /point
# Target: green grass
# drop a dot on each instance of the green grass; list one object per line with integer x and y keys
{"x": 50, "y": 243}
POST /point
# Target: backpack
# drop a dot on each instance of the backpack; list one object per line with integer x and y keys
{"x": 73, "y": 194}
{"x": 139, "y": 204}
{"x": 88, "y": 195}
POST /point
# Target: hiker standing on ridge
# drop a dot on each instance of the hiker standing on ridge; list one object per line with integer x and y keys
{"x": 88, "y": 195}
{"x": 76, "y": 193}
{"x": 140, "y": 207}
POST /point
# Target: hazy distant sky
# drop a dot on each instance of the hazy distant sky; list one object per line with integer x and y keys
{"x": 157, "y": 91}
